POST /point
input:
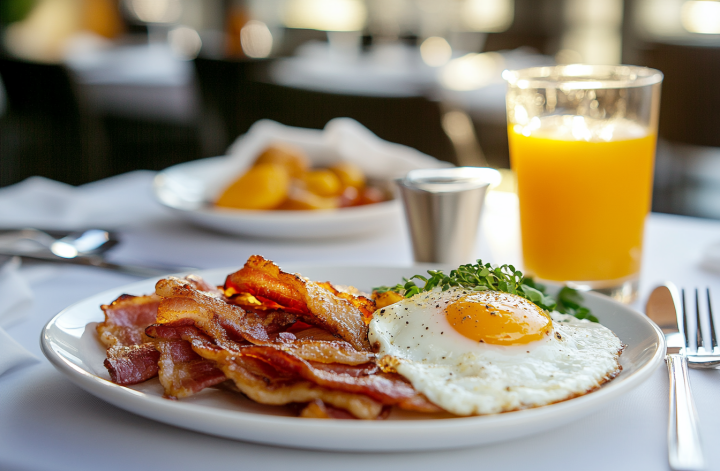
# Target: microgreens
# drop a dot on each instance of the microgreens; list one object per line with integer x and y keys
{"x": 479, "y": 277}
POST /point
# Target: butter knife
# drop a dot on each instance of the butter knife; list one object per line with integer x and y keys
{"x": 684, "y": 447}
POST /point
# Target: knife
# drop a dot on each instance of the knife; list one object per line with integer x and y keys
{"x": 99, "y": 262}
{"x": 684, "y": 448}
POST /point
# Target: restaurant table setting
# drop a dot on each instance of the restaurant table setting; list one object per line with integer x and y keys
{"x": 56, "y": 395}
{"x": 42, "y": 409}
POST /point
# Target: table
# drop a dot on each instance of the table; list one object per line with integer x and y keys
{"x": 397, "y": 70}
{"x": 144, "y": 81}
{"x": 47, "y": 423}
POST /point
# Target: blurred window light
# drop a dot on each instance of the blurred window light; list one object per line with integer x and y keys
{"x": 488, "y": 15}
{"x": 595, "y": 12}
{"x": 435, "y": 51}
{"x": 472, "y": 71}
{"x": 155, "y": 11}
{"x": 256, "y": 39}
{"x": 389, "y": 18}
{"x": 594, "y": 45}
{"x": 459, "y": 127}
{"x": 593, "y": 29}
{"x": 326, "y": 15}
{"x": 568, "y": 56}
{"x": 42, "y": 35}
{"x": 659, "y": 17}
{"x": 701, "y": 17}
{"x": 185, "y": 42}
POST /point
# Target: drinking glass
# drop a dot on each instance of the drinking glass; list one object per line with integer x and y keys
{"x": 582, "y": 145}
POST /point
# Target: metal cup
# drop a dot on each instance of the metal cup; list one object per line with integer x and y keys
{"x": 443, "y": 209}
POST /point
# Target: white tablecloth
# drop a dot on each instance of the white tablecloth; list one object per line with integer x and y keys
{"x": 47, "y": 423}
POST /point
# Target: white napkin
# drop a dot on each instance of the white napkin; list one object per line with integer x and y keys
{"x": 15, "y": 302}
{"x": 342, "y": 139}
{"x": 110, "y": 203}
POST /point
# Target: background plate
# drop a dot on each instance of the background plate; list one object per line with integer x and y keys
{"x": 185, "y": 188}
{"x": 73, "y": 348}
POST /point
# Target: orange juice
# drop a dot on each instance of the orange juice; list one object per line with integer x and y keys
{"x": 584, "y": 194}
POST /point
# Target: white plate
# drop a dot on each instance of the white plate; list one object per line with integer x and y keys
{"x": 74, "y": 349}
{"x": 185, "y": 188}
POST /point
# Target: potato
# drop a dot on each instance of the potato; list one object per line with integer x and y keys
{"x": 349, "y": 175}
{"x": 302, "y": 199}
{"x": 292, "y": 158}
{"x": 322, "y": 183}
{"x": 264, "y": 186}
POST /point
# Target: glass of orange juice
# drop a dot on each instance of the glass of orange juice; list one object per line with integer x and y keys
{"x": 582, "y": 146}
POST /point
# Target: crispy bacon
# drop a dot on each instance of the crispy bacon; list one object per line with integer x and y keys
{"x": 196, "y": 337}
{"x": 328, "y": 352}
{"x": 302, "y": 330}
{"x": 352, "y": 294}
{"x": 274, "y": 321}
{"x": 283, "y": 375}
{"x": 264, "y": 383}
{"x": 131, "y": 358}
{"x": 211, "y": 329}
{"x": 226, "y": 324}
{"x": 317, "y": 409}
{"x": 126, "y": 319}
{"x": 257, "y": 379}
{"x": 385, "y": 388}
{"x": 351, "y": 370}
{"x": 200, "y": 284}
{"x": 222, "y": 321}
{"x": 182, "y": 372}
{"x": 342, "y": 314}
{"x": 132, "y": 364}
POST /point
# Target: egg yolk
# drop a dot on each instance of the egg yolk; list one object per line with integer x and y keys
{"x": 498, "y": 319}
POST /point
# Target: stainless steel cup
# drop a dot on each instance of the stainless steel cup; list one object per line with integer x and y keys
{"x": 443, "y": 209}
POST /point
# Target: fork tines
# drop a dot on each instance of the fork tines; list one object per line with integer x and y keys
{"x": 699, "y": 329}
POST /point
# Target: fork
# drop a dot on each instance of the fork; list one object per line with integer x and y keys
{"x": 701, "y": 345}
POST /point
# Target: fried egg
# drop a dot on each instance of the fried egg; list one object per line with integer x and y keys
{"x": 485, "y": 352}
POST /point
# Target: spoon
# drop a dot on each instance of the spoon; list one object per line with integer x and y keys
{"x": 78, "y": 248}
{"x": 89, "y": 242}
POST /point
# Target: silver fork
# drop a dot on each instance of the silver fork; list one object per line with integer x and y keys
{"x": 700, "y": 330}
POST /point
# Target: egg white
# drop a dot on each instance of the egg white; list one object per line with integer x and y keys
{"x": 414, "y": 338}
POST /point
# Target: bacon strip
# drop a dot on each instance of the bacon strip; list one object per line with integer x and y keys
{"x": 126, "y": 319}
{"x": 339, "y": 313}
{"x": 132, "y": 364}
{"x": 182, "y": 372}
{"x": 386, "y": 389}
{"x": 131, "y": 358}
{"x": 226, "y": 324}
{"x": 222, "y": 321}
{"x": 265, "y": 379}
{"x": 317, "y": 409}
{"x": 262, "y": 383}
{"x": 257, "y": 379}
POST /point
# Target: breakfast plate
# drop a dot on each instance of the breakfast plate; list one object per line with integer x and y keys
{"x": 186, "y": 189}
{"x": 70, "y": 342}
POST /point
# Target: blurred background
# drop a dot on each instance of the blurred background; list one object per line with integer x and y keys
{"x": 95, "y": 88}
